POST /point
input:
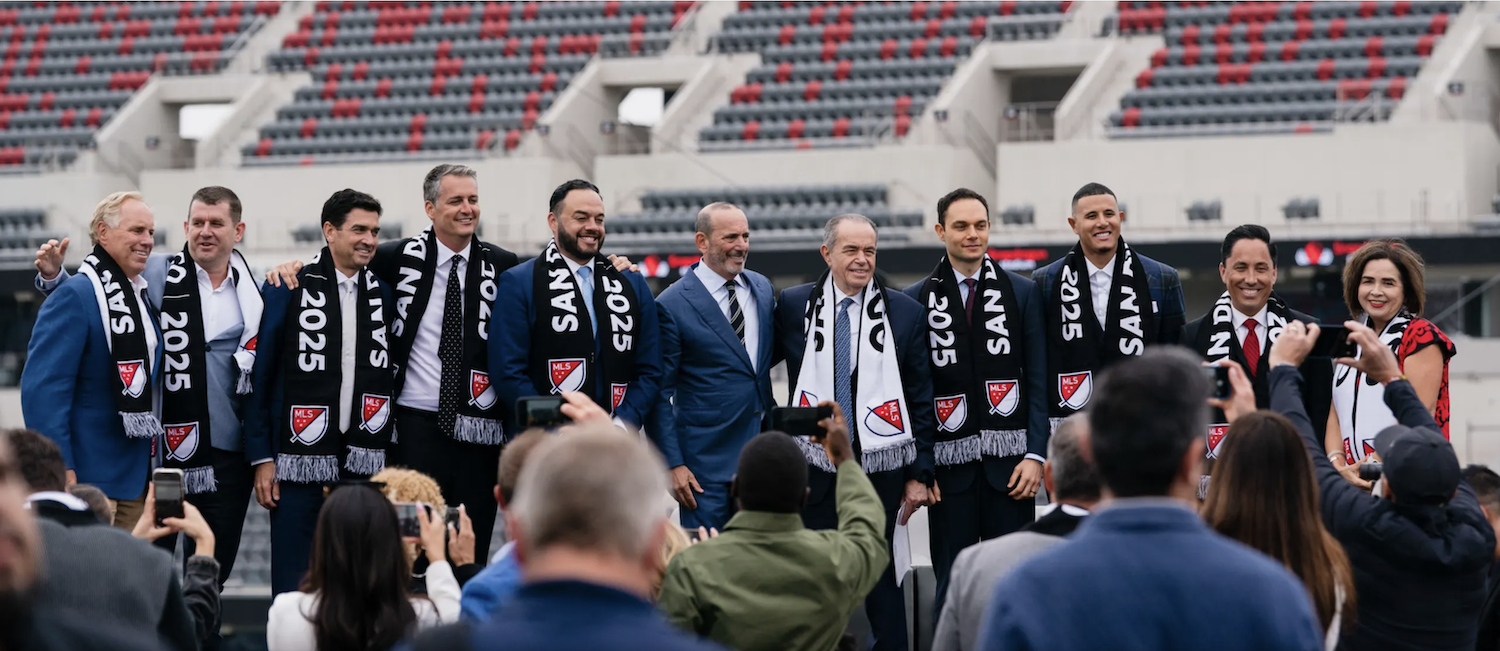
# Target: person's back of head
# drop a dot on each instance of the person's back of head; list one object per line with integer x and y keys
{"x": 588, "y": 508}
{"x": 512, "y": 460}
{"x": 359, "y": 571}
{"x": 95, "y": 498}
{"x": 1486, "y": 485}
{"x": 40, "y": 460}
{"x": 1263, "y": 494}
{"x": 772, "y": 475}
{"x": 1146, "y": 423}
{"x": 1070, "y": 477}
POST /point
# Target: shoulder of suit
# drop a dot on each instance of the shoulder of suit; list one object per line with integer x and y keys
{"x": 797, "y": 292}
{"x": 1152, "y": 264}
{"x": 1049, "y": 270}
{"x": 899, "y": 300}
{"x": 1021, "y": 282}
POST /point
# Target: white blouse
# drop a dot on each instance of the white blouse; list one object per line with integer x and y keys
{"x": 289, "y": 627}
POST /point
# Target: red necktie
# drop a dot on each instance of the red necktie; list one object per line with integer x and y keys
{"x": 969, "y": 300}
{"x": 1252, "y": 347}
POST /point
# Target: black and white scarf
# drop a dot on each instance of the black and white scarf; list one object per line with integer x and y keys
{"x": 125, "y": 328}
{"x": 184, "y": 406}
{"x": 1359, "y": 400}
{"x": 1076, "y": 346}
{"x": 562, "y": 354}
{"x": 478, "y": 419}
{"x": 311, "y": 362}
{"x": 975, "y": 367}
{"x": 881, "y": 418}
{"x": 1218, "y": 342}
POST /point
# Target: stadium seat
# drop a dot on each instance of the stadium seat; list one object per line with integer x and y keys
{"x": 778, "y": 215}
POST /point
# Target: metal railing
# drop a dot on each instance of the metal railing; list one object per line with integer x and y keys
{"x": 1029, "y": 122}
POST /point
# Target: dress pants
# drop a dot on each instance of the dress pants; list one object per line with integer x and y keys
{"x": 976, "y": 506}
{"x": 466, "y": 472}
{"x": 885, "y": 606}
{"x": 714, "y": 507}
{"x": 293, "y": 522}
{"x": 224, "y": 509}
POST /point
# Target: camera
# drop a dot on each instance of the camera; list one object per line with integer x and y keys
{"x": 1370, "y": 470}
{"x": 542, "y": 411}
{"x": 1218, "y": 376}
{"x": 800, "y": 421}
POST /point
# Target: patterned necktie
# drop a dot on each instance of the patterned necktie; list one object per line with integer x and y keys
{"x": 1252, "y": 347}
{"x": 841, "y": 390}
{"x": 736, "y": 317}
{"x": 451, "y": 351}
{"x": 584, "y": 273}
{"x": 969, "y": 300}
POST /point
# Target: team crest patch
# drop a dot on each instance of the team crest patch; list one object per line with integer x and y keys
{"x": 617, "y": 395}
{"x": 1003, "y": 396}
{"x": 807, "y": 399}
{"x": 1369, "y": 450}
{"x": 1215, "y": 437}
{"x": 952, "y": 411}
{"x": 566, "y": 374}
{"x": 1075, "y": 389}
{"x": 374, "y": 412}
{"x": 886, "y": 420}
{"x": 133, "y": 377}
{"x": 309, "y": 423}
{"x": 182, "y": 440}
{"x": 250, "y": 345}
{"x": 481, "y": 394}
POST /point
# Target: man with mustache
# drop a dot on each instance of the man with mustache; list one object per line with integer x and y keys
{"x": 848, "y": 339}
{"x": 716, "y": 327}
{"x": 323, "y": 381}
{"x": 1103, "y": 302}
{"x": 94, "y": 361}
{"x": 210, "y": 307}
{"x": 569, "y": 320}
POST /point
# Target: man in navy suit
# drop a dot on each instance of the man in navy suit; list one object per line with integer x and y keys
{"x": 716, "y": 350}
{"x": 76, "y": 382}
{"x": 1201, "y": 590}
{"x": 986, "y": 329}
{"x": 849, "y": 243}
{"x": 586, "y": 299}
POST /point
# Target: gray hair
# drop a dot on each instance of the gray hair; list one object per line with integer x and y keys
{"x": 107, "y": 212}
{"x": 435, "y": 178}
{"x": 1073, "y": 476}
{"x": 831, "y": 229}
{"x": 592, "y": 488}
{"x": 705, "y": 222}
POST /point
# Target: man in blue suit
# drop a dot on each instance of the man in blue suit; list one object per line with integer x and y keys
{"x": 1145, "y": 572}
{"x": 225, "y": 328}
{"x": 869, "y": 353}
{"x": 989, "y": 370}
{"x": 716, "y": 351}
{"x": 1103, "y": 302}
{"x": 569, "y": 320}
{"x": 92, "y": 364}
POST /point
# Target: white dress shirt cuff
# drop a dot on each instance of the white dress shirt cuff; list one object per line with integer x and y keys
{"x": 1036, "y": 457}
{"x": 44, "y": 285}
{"x": 261, "y": 461}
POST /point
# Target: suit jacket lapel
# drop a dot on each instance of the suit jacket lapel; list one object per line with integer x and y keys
{"x": 766, "y": 312}
{"x": 702, "y": 300}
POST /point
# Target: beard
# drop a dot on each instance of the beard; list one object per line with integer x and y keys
{"x": 569, "y": 244}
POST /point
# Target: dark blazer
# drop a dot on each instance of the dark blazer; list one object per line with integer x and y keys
{"x": 1319, "y": 396}
{"x": 712, "y": 400}
{"x": 1166, "y": 293}
{"x": 68, "y": 392}
{"x": 1419, "y": 572}
{"x": 577, "y": 616}
{"x": 909, "y": 322}
{"x": 1206, "y": 591}
{"x": 1058, "y": 523}
{"x": 510, "y": 348}
{"x": 1032, "y": 339}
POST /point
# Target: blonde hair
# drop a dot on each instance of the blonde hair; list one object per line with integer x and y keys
{"x": 108, "y": 211}
{"x": 407, "y": 485}
{"x": 672, "y": 544}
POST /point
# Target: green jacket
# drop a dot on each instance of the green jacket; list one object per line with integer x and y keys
{"x": 768, "y": 583}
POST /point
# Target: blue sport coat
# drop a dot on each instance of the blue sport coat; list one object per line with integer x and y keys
{"x": 1150, "y": 575}
{"x": 1166, "y": 294}
{"x": 510, "y": 348}
{"x": 68, "y": 392}
{"x": 712, "y": 400}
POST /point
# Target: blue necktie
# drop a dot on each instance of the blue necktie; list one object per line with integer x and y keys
{"x": 841, "y": 391}
{"x": 588, "y": 294}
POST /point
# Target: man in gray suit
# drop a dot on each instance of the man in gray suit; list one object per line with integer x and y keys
{"x": 1073, "y": 484}
{"x": 210, "y": 308}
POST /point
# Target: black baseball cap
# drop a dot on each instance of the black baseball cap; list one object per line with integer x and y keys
{"x": 1419, "y": 464}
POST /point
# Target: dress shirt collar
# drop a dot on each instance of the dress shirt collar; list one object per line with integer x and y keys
{"x": 344, "y": 280}
{"x": 572, "y": 266}
{"x": 139, "y": 282}
{"x": 713, "y": 281}
{"x": 857, "y": 296}
{"x": 444, "y": 253}
{"x": 1075, "y": 511}
{"x": 961, "y": 277}
{"x": 205, "y": 278}
{"x": 1108, "y": 270}
{"x": 765, "y": 521}
{"x": 65, "y": 499}
{"x": 1239, "y": 317}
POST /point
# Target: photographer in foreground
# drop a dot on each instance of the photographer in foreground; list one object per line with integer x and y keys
{"x": 1419, "y": 551}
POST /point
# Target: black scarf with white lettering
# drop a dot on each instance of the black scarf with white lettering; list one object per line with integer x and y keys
{"x": 125, "y": 331}
{"x": 562, "y": 351}
{"x": 1077, "y": 347}
{"x": 311, "y": 363}
{"x": 975, "y": 368}
{"x": 478, "y": 418}
{"x": 184, "y": 405}
{"x": 1218, "y": 341}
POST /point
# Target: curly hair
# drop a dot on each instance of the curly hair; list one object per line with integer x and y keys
{"x": 407, "y": 485}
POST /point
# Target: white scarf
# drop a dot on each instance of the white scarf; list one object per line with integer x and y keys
{"x": 882, "y": 419}
{"x": 247, "y": 290}
{"x": 1360, "y": 402}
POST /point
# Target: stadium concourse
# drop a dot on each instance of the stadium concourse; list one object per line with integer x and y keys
{"x": 1329, "y": 123}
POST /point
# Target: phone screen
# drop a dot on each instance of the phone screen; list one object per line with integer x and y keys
{"x": 406, "y": 517}
{"x": 541, "y": 411}
{"x": 1333, "y": 343}
{"x": 800, "y": 421}
{"x": 168, "y": 485}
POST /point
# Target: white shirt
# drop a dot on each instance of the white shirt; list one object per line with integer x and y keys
{"x": 288, "y": 625}
{"x": 586, "y": 286}
{"x": 1075, "y": 511}
{"x": 348, "y": 290}
{"x": 715, "y": 285}
{"x": 139, "y": 284}
{"x": 854, "y": 323}
{"x": 1242, "y": 332}
{"x": 1099, "y": 282}
{"x": 221, "y": 305}
{"x": 424, "y": 371}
